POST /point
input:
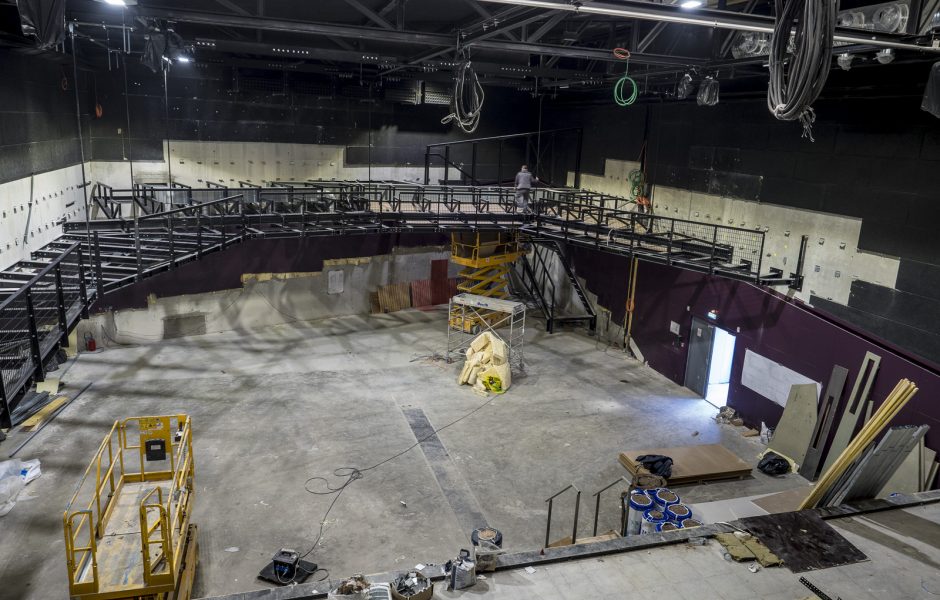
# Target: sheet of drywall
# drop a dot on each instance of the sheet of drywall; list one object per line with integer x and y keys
{"x": 771, "y": 379}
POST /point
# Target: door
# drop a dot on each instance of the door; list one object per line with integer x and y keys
{"x": 701, "y": 339}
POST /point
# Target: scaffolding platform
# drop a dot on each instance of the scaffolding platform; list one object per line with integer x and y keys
{"x": 503, "y": 318}
{"x": 127, "y": 529}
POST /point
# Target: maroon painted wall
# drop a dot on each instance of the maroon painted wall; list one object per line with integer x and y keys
{"x": 223, "y": 270}
{"x": 781, "y": 330}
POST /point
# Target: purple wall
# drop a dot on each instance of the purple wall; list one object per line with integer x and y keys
{"x": 223, "y": 270}
{"x": 781, "y": 330}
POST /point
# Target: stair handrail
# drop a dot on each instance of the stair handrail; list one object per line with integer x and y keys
{"x": 597, "y": 499}
{"x": 577, "y": 508}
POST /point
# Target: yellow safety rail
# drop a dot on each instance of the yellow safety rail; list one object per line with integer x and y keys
{"x": 484, "y": 249}
{"x": 164, "y": 510}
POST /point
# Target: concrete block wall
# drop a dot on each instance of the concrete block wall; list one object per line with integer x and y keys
{"x": 56, "y": 196}
{"x": 833, "y": 259}
{"x": 227, "y": 163}
{"x": 264, "y": 301}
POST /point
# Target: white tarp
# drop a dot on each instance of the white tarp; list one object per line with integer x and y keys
{"x": 771, "y": 379}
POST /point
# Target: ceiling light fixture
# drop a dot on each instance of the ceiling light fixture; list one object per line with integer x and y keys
{"x": 691, "y": 4}
{"x": 116, "y": 2}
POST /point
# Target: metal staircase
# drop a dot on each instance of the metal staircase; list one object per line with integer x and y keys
{"x": 539, "y": 284}
{"x": 43, "y": 298}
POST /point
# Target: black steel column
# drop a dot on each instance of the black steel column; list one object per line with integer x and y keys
{"x": 38, "y": 371}
{"x": 60, "y": 297}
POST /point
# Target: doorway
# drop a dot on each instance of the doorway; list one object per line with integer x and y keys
{"x": 708, "y": 366}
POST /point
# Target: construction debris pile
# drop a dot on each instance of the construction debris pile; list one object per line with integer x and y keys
{"x": 487, "y": 365}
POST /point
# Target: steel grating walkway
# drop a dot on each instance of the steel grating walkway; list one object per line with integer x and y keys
{"x": 42, "y": 299}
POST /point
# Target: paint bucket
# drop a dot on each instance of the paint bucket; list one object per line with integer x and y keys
{"x": 638, "y": 503}
{"x": 690, "y": 523}
{"x": 678, "y": 512}
{"x": 664, "y": 497}
{"x": 667, "y": 526}
{"x": 653, "y": 518}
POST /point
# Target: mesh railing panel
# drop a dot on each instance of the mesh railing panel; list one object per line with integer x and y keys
{"x": 16, "y": 362}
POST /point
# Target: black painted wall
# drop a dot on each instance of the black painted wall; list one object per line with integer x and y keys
{"x": 219, "y": 104}
{"x": 877, "y": 159}
{"x": 38, "y": 130}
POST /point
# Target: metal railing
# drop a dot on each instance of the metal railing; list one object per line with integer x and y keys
{"x": 163, "y": 513}
{"x": 35, "y": 322}
{"x": 577, "y": 509}
{"x": 49, "y": 291}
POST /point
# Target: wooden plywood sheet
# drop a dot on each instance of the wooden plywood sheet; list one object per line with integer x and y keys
{"x": 786, "y": 501}
{"x": 803, "y": 540}
{"x": 394, "y": 297}
{"x": 912, "y": 475}
{"x": 794, "y": 432}
{"x": 692, "y": 464}
{"x": 43, "y": 413}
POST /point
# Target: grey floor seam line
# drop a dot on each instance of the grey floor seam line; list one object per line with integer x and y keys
{"x": 466, "y": 508}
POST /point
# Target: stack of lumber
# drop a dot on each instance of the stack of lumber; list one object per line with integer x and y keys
{"x": 896, "y": 400}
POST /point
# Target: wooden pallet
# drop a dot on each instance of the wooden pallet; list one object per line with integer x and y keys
{"x": 692, "y": 464}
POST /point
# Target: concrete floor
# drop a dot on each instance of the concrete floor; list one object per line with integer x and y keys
{"x": 274, "y": 407}
{"x": 901, "y": 545}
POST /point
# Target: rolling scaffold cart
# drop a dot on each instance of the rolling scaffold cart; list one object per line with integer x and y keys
{"x": 492, "y": 314}
{"x": 127, "y": 529}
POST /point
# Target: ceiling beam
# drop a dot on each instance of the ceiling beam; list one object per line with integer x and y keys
{"x": 718, "y": 19}
{"x": 539, "y": 33}
{"x": 489, "y": 16}
{"x": 405, "y": 37}
{"x": 369, "y": 14}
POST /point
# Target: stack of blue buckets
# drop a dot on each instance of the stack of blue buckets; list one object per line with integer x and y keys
{"x": 657, "y": 510}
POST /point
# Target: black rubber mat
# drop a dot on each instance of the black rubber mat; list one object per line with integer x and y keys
{"x": 803, "y": 540}
{"x": 304, "y": 570}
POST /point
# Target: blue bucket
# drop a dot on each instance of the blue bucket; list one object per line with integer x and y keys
{"x": 663, "y": 497}
{"x": 667, "y": 526}
{"x": 638, "y": 503}
{"x": 690, "y": 524}
{"x": 678, "y": 512}
{"x": 651, "y": 520}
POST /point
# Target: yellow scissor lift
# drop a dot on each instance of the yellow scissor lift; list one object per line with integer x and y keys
{"x": 487, "y": 257}
{"x": 127, "y": 529}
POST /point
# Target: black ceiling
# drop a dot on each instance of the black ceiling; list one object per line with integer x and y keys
{"x": 517, "y": 46}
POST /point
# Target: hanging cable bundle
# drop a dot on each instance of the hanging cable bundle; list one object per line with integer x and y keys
{"x": 468, "y": 99}
{"x": 797, "y": 78}
{"x": 625, "y": 81}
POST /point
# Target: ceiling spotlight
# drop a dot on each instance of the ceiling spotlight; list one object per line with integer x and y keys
{"x": 691, "y": 3}
{"x": 845, "y": 61}
{"x": 116, "y": 2}
{"x": 885, "y": 55}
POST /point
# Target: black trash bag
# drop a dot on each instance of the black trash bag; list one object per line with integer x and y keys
{"x": 931, "y": 101}
{"x": 773, "y": 464}
{"x": 43, "y": 20}
{"x": 656, "y": 464}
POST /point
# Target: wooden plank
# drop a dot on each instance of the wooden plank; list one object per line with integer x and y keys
{"x": 855, "y": 404}
{"x": 795, "y": 429}
{"x": 42, "y": 414}
{"x": 785, "y": 501}
{"x": 692, "y": 464}
{"x": 827, "y": 411}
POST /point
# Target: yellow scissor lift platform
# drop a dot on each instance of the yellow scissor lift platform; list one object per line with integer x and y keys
{"x": 487, "y": 257}
{"x": 127, "y": 529}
